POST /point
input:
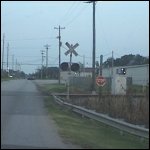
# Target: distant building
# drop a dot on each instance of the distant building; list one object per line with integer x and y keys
{"x": 139, "y": 73}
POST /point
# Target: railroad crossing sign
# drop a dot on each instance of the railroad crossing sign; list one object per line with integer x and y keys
{"x": 71, "y": 49}
{"x": 100, "y": 81}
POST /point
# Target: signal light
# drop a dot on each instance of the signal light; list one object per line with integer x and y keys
{"x": 64, "y": 66}
{"x": 74, "y": 66}
{"x": 121, "y": 71}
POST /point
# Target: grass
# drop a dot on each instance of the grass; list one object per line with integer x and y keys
{"x": 55, "y": 88}
{"x": 89, "y": 133}
{"x": 6, "y": 79}
{"x": 138, "y": 89}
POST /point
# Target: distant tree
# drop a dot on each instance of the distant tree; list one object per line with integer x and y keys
{"x": 127, "y": 60}
{"x": 108, "y": 62}
{"x": 53, "y": 72}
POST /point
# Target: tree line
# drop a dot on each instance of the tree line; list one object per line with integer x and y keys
{"x": 126, "y": 60}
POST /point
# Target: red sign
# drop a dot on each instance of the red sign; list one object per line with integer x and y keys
{"x": 100, "y": 81}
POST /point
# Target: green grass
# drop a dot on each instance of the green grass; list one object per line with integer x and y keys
{"x": 138, "y": 89}
{"x": 6, "y": 79}
{"x": 61, "y": 88}
{"x": 55, "y": 88}
{"x": 89, "y": 133}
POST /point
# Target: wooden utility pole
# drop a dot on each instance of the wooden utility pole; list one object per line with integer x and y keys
{"x": 94, "y": 47}
{"x": 47, "y": 58}
{"x": 7, "y": 58}
{"x": 100, "y": 73}
{"x": 112, "y": 65}
{"x": 59, "y": 37}
{"x": 3, "y": 50}
{"x": 42, "y": 52}
{"x": 93, "y": 74}
{"x": 12, "y": 62}
{"x": 16, "y": 65}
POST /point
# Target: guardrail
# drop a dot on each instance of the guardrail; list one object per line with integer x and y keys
{"x": 96, "y": 95}
{"x": 123, "y": 126}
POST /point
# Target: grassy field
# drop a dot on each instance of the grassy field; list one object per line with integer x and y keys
{"x": 5, "y": 79}
{"x": 89, "y": 133}
{"x": 53, "y": 88}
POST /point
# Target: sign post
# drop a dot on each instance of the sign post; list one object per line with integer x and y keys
{"x": 71, "y": 50}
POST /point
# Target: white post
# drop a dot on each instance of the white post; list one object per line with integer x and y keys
{"x": 68, "y": 90}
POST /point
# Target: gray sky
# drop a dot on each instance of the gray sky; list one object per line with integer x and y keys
{"x": 122, "y": 27}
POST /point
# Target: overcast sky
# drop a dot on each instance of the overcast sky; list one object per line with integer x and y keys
{"x": 122, "y": 27}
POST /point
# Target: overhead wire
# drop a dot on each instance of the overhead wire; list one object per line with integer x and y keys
{"x": 76, "y": 16}
{"x": 32, "y": 39}
{"x": 103, "y": 31}
{"x": 71, "y": 12}
{"x": 68, "y": 12}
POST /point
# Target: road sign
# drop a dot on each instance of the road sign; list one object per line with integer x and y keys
{"x": 71, "y": 49}
{"x": 100, "y": 81}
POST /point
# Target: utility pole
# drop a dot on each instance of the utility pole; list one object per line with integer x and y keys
{"x": 59, "y": 37}
{"x": 12, "y": 62}
{"x": 42, "y": 52}
{"x": 93, "y": 73}
{"x": 47, "y": 46}
{"x": 94, "y": 47}
{"x": 112, "y": 65}
{"x": 3, "y": 50}
{"x": 16, "y": 64}
{"x": 100, "y": 73}
{"x": 19, "y": 67}
{"x": 84, "y": 64}
{"x": 7, "y": 58}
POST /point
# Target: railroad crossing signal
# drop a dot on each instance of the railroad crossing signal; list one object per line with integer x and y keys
{"x": 65, "y": 66}
{"x": 71, "y": 49}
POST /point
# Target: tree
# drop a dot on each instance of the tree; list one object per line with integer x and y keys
{"x": 127, "y": 60}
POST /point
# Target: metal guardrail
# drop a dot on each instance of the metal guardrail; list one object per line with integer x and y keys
{"x": 123, "y": 126}
{"x": 96, "y": 95}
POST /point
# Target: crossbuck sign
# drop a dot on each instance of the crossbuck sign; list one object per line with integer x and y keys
{"x": 71, "y": 49}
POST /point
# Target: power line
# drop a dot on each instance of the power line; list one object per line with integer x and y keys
{"x": 24, "y": 48}
{"x": 33, "y": 39}
{"x": 64, "y": 47}
{"x": 34, "y": 57}
{"x": 34, "y": 64}
{"x": 77, "y": 15}
{"x": 55, "y": 59}
{"x": 102, "y": 29}
{"x": 72, "y": 10}
{"x": 29, "y": 47}
{"x": 68, "y": 12}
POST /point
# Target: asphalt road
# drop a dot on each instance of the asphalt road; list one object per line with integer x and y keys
{"x": 24, "y": 119}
